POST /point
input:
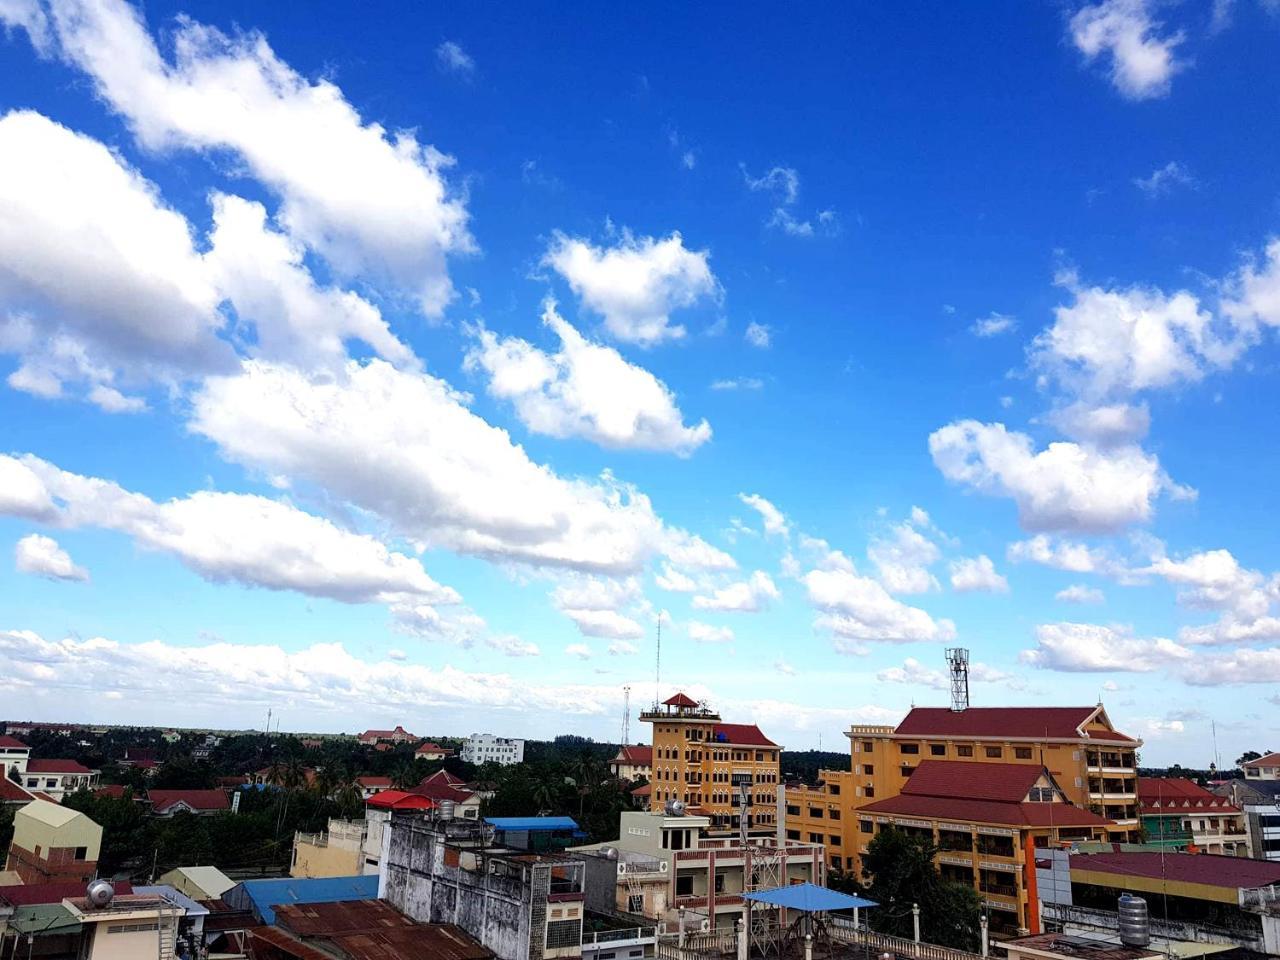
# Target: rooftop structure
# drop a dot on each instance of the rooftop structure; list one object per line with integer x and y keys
{"x": 1179, "y": 814}
{"x": 167, "y": 803}
{"x": 486, "y": 748}
{"x": 263, "y": 896}
{"x": 368, "y": 930}
{"x": 398, "y": 735}
{"x": 1264, "y": 768}
{"x": 199, "y": 883}
{"x": 632, "y": 762}
{"x": 53, "y": 843}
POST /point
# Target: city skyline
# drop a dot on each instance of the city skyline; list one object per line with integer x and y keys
{"x": 405, "y": 366}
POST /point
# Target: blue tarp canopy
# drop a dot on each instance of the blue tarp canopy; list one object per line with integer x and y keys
{"x": 261, "y": 896}
{"x": 808, "y": 898}
{"x": 533, "y": 824}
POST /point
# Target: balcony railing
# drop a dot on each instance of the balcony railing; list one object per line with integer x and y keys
{"x": 614, "y": 936}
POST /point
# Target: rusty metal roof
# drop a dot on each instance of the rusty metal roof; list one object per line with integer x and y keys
{"x": 333, "y": 919}
{"x": 370, "y": 930}
{"x": 437, "y": 941}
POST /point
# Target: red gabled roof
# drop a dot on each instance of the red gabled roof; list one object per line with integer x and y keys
{"x": 23, "y": 895}
{"x": 400, "y": 800}
{"x": 163, "y": 800}
{"x": 644, "y": 790}
{"x": 680, "y": 700}
{"x": 381, "y": 782}
{"x": 1211, "y": 869}
{"x": 1270, "y": 760}
{"x": 1005, "y": 782}
{"x": 743, "y": 734}
{"x": 56, "y": 766}
{"x": 113, "y": 790}
{"x": 438, "y": 790}
{"x": 12, "y": 743}
{"x": 10, "y": 792}
{"x": 432, "y": 748}
{"x": 1175, "y": 794}
{"x": 638, "y": 755}
{"x": 986, "y": 811}
{"x": 1055, "y": 723}
{"x": 445, "y": 777}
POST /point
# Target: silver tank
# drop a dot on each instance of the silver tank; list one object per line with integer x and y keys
{"x": 1135, "y": 927}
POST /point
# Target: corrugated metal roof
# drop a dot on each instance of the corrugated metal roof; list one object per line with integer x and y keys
{"x": 1210, "y": 869}
{"x": 50, "y": 813}
{"x": 436, "y": 941}
{"x": 533, "y": 824}
{"x": 332, "y": 919}
{"x": 33, "y": 893}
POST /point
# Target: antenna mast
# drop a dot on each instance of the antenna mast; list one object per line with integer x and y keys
{"x": 626, "y": 716}
{"x": 958, "y": 661}
{"x": 657, "y": 667}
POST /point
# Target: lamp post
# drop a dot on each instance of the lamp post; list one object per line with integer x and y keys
{"x": 915, "y": 920}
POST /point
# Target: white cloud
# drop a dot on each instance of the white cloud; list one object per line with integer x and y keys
{"x": 1215, "y": 580}
{"x": 1079, "y": 593}
{"x": 758, "y": 335}
{"x": 744, "y": 596}
{"x": 1142, "y": 58}
{"x": 784, "y": 668}
{"x": 622, "y": 648}
{"x": 783, "y": 182}
{"x": 98, "y": 277}
{"x": 738, "y": 383}
{"x": 783, "y": 185}
{"x": 1241, "y": 666}
{"x": 1253, "y": 292}
{"x": 977, "y": 574}
{"x": 1164, "y": 179}
{"x": 594, "y": 604}
{"x": 578, "y": 650}
{"x": 41, "y": 556}
{"x": 1091, "y": 648}
{"x": 404, "y": 446}
{"x": 785, "y": 220}
{"x": 1106, "y": 425}
{"x": 914, "y": 672}
{"x": 453, "y": 59}
{"x": 635, "y": 284}
{"x": 608, "y": 624}
{"x": 675, "y": 580}
{"x": 858, "y": 609}
{"x": 1066, "y": 486}
{"x": 903, "y": 559}
{"x": 398, "y": 655}
{"x": 369, "y": 202}
{"x": 773, "y": 519}
{"x": 1061, "y": 554}
{"x": 512, "y": 646}
{"x": 22, "y": 492}
{"x": 994, "y": 325}
{"x": 1230, "y": 629}
{"x": 706, "y": 633}
{"x": 584, "y": 390}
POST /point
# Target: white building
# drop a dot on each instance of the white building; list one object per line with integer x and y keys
{"x": 486, "y": 748}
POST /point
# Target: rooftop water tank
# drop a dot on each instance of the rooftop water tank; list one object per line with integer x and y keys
{"x": 1135, "y": 927}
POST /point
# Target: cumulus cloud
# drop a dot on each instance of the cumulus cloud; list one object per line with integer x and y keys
{"x": 41, "y": 556}
{"x": 773, "y": 519}
{"x": 584, "y": 390}
{"x": 622, "y": 648}
{"x": 744, "y": 596}
{"x": 1067, "y": 486}
{"x": 1093, "y": 648}
{"x": 579, "y": 651}
{"x": 1062, "y": 554}
{"x": 902, "y": 559}
{"x": 100, "y": 279}
{"x": 1142, "y": 56}
{"x": 857, "y": 610}
{"x": 1164, "y": 179}
{"x": 1253, "y": 292}
{"x": 512, "y": 646}
{"x": 1241, "y": 666}
{"x": 977, "y": 575}
{"x": 706, "y": 633}
{"x": 1079, "y": 593}
{"x": 636, "y": 284}
{"x": 994, "y": 325}
{"x": 594, "y": 604}
{"x": 1104, "y": 425}
{"x": 372, "y": 203}
{"x": 674, "y": 580}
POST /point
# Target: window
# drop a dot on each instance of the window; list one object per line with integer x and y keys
{"x": 1022, "y": 753}
{"x": 815, "y": 813}
{"x": 793, "y": 834}
{"x": 684, "y": 885}
{"x": 870, "y": 791}
{"x": 835, "y": 863}
{"x": 995, "y": 753}
{"x": 909, "y": 748}
{"x": 868, "y": 770}
{"x": 833, "y": 789}
{"x": 564, "y": 933}
{"x": 815, "y": 838}
{"x": 866, "y": 826}
{"x": 834, "y": 840}
{"x": 833, "y": 814}
{"x": 964, "y": 750}
{"x": 81, "y": 853}
{"x": 635, "y": 903}
{"x": 938, "y": 749}
{"x": 719, "y": 883}
{"x": 867, "y": 746}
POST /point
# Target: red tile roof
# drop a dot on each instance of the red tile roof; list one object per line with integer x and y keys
{"x": 744, "y": 734}
{"x": 638, "y": 755}
{"x": 22, "y": 895}
{"x": 1210, "y": 869}
{"x": 10, "y": 792}
{"x": 198, "y": 800}
{"x": 680, "y": 700}
{"x": 644, "y": 790}
{"x": 13, "y": 743}
{"x": 400, "y": 800}
{"x": 1270, "y": 760}
{"x": 1005, "y": 782}
{"x": 56, "y": 766}
{"x": 113, "y": 790}
{"x": 432, "y": 748}
{"x": 371, "y": 782}
{"x": 1057, "y": 723}
{"x": 444, "y": 776}
{"x": 440, "y": 790}
{"x": 1174, "y": 794}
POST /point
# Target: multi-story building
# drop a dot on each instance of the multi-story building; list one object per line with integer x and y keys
{"x": 705, "y": 763}
{"x": 486, "y": 748}
{"x": 398, "y": 735}
{"x": 1179, "y": 814}
{"x": 632, "y": 762}
{"x": 57, "y": 778}
{"x": 52, "y": 843}
{"x": 665, "y": 864}
{"x": 14, "y": 755}
{"x": 1259, "y": 799}
{"x": 1264, "y": 768}
{"x": 1093, "y": 764}
{"x": 132, "y": 925}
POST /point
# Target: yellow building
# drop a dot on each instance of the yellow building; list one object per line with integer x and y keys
{"x": 52, "y": 844}
{"x": 337, "y": 853}
{"x": 1093, "y": 764}
{"x": 701, "y": 761}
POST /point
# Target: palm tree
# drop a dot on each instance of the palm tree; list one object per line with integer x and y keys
{"x": 405, "y": 777}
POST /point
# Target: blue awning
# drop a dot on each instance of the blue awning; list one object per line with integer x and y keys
{"x": 808, "y": 898}
{"x": 532, "y": 824}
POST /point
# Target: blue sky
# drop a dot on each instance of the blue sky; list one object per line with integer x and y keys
{"x": 408, "y": 365}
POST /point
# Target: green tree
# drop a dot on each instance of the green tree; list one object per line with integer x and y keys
{"x": 405, "y": 777}
{"x": 1247, "y": 756}
{"x": 7, "y": 811}
{"x": 898, "y": 871}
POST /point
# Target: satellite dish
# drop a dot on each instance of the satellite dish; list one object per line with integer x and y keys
{"x": 100, "y": 893}
{"x": 674, "y": 808}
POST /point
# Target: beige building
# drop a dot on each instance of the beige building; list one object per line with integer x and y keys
{"x": 198, "y": 883}
{"x": 339, "y": 852}
{"x": 1264, "y": 768}
{"x": 632, "y": 762}
{"x": 128, "y": 928}
{"x": 52, "y": 843}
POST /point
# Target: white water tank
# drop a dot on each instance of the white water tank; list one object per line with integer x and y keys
{"x": 1135, "y": 926}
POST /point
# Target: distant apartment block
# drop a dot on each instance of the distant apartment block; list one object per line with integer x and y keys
{"x": 704, "y": 763}
{"x": 486, "y": 748}
{"x": 53, "y": 844}
{"x": 1259, "y": 800}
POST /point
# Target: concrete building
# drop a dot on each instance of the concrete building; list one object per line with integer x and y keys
{"x": 431, "y": 751}
{"x": 1264, "y": 768}
{"x": 486, "y": 748}
{"x": 520, "y": 905}
{"x": 201, "y": 803}
{"x": 14, "y": 755}
{"x": 129, "y": 927}
{"x": 1259, "y": 800}
{"x": 52, "y": 843}
{"x": 362, "y": 930}
{"x": 1179, "y": 814}
{"x": 399, "y": 735}
{"x": 338, "y": 852}
{"x": 661, "y": 864}
{"x": 702, "y": 762}
{"x": 368, "y": 786}
{"x": 57, "y": 778}
{"x": 632, "y": 762}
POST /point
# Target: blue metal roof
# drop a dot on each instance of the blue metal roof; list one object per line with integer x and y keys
{"x": 808, "y": 898}
{"x": 266, "y": 894}
{"x": 533, "y": 824}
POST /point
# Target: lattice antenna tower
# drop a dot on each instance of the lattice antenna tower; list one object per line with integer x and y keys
{"x": 958, "y": 661}
{"x": 626, "y": 716}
